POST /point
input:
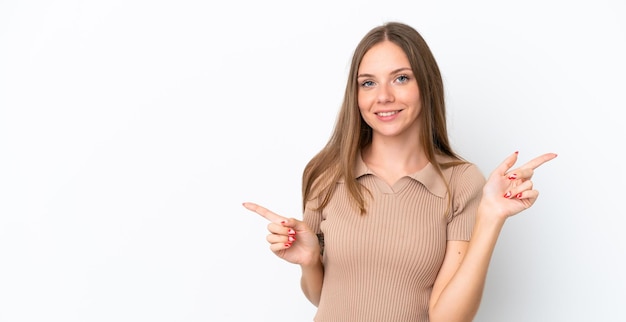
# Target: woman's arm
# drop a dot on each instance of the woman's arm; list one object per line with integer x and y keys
{"x": 459, "y": 285}
{"x": 458, "y": 289}
{"x": 312, "y": 280}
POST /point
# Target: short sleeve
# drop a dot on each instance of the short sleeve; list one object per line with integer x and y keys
{"x": 466, "y": 185}
{"x": 313, "y": 218}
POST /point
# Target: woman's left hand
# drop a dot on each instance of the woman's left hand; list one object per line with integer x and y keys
{"x": 508, "y": 192}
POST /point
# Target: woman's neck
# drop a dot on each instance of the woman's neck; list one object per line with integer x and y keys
{"x": 394, "y": 159}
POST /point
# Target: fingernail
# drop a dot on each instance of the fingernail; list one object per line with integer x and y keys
{"x": 287, "y": 245}
{"x": 507, "y": 195}
{"x": 291, "y": 239}
{"x": 516, "y": 152}
{"x": 283, "y": 222}
{"x": 518, "y": 196}
{"x": 291, "y": 232}
{"x": 513, "y": 176}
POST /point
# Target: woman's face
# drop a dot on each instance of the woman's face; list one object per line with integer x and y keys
{"x": 388, "y": 95}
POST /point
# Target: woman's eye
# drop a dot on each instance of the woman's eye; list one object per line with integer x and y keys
{"x": 367, "y": 84}
{"x": 403, "y": 78}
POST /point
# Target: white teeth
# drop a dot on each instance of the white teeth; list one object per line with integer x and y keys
{"x": 387, "y": 113}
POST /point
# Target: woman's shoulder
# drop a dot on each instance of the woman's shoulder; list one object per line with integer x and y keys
{"x": 458, "y": 167}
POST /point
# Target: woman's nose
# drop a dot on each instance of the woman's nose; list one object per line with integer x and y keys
{"x": 385, "y": 94}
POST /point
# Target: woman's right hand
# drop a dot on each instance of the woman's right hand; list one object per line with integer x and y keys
{"x": 289, "y": 238}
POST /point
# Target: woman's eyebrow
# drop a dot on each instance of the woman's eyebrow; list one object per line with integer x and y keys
{"x": 395, "y": 71}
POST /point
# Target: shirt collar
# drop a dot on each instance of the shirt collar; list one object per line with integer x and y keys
{"x": 427, "y": 176}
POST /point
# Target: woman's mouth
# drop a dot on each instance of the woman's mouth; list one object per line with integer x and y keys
{"x": 385, "y": 114}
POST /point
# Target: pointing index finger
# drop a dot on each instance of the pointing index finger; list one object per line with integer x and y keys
{"x": 264, "y": 212}
{"x": 536, "y": 162}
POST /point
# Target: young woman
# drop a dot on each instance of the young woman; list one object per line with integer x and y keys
{"x": 397, "y": 226}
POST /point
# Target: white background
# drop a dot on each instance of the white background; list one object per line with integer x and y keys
{"x": 132, "y": 130}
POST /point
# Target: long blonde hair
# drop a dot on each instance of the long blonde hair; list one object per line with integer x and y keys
{"x": 337, "y": 158}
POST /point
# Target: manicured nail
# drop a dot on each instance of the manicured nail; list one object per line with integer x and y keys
{"x": 518, "y": 196}
{"x": 287, "y": 245}
{"x": 513, "y": 176}
{"x": 291, "y": 232}
{"x": 283, "y": 222}
{"x": 516, "y": 152}
{"x": 507, "y": 195}
{"x": 291, "y": 239}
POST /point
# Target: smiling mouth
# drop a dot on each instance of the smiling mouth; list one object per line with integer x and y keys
{"x": 387, "y": 113}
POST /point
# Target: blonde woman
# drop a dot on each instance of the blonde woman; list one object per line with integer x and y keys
{"x": 396, "y": 226}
